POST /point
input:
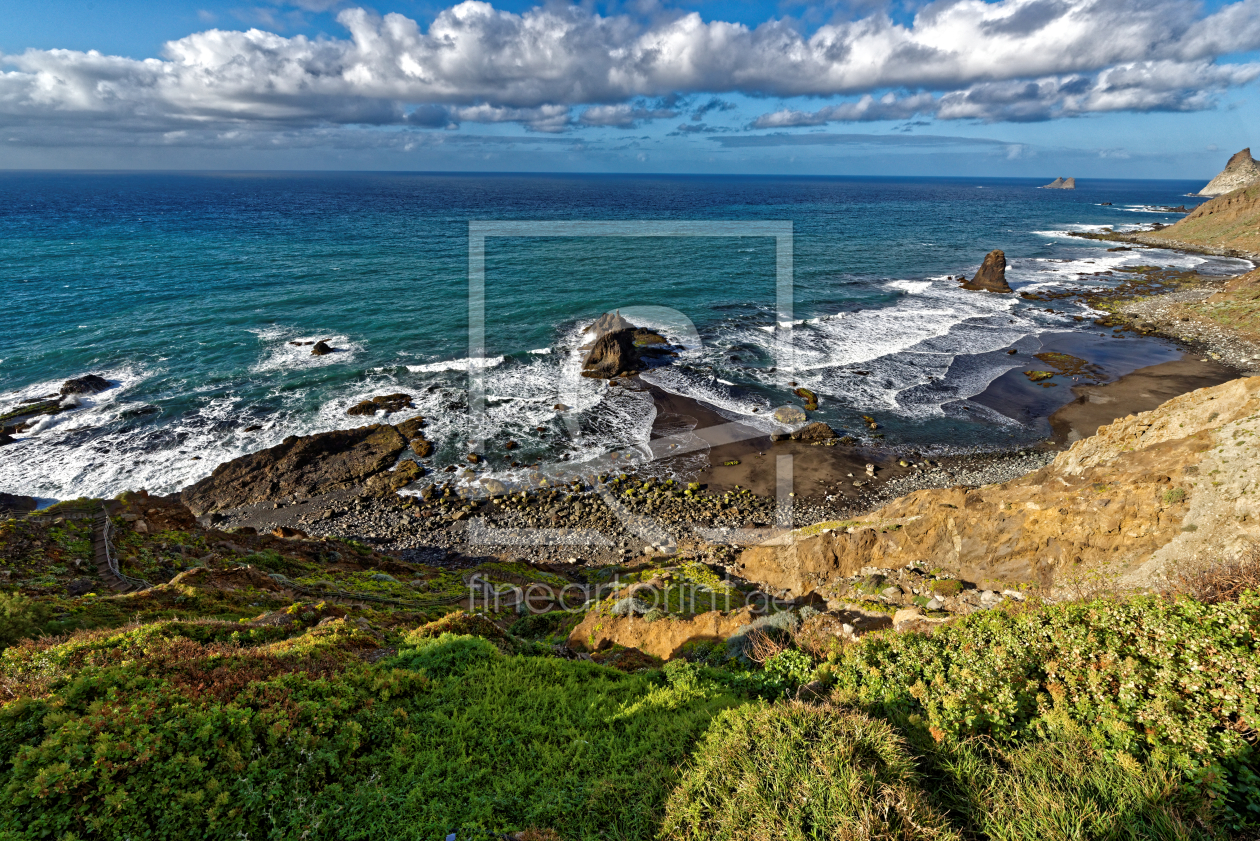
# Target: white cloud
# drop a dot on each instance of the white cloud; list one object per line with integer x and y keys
{"x": 1005, "y": 60}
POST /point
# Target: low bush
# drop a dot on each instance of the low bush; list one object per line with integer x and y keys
{"x": 20, "y": 617}
{"x": 1065, "y": 789}
{"x": 1176, "y": 683}
{"x": 1225, "y": 580}
{"x": 477, "y": 739}
{"x": 795, "y": 772}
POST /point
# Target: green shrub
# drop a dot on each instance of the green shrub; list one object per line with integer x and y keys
{"x": 1064, "y": 789}
{"x": 795, "y": 772}
{"x": 20, "y": 617}
{"x": 788, "y": 670}
{"x": 448, "y": 655}
{"x": 1167, "y": 681}
{"x": 369, "y": 751}
{"x": 541, "y": 625}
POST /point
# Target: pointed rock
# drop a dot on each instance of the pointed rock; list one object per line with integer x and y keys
{"x": 992, "y": 275}
{"x": 1241, "y": 170}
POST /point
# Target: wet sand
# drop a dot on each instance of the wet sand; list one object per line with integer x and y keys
{"x": 1140, "y": 391}
{"x": 838, "y": 473}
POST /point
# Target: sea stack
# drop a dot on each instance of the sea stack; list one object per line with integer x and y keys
{"x": 992, "y": 275}
{"x": 1061, "y": 184}
{"x": 1241, "y": 171}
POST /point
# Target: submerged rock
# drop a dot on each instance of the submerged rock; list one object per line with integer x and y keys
{"x": 992, "y": 274}
{"x": 388, "y": 403}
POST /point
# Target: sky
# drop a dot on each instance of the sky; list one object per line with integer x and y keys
{"x": 1029, "y": 88}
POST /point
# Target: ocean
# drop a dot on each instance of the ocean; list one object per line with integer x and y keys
{"x": 189, "y": 290}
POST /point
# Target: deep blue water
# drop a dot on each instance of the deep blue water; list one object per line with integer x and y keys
{"x": 186, "y": 290}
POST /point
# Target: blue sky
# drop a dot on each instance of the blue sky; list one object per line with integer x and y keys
{"x": 1038, "y": 88}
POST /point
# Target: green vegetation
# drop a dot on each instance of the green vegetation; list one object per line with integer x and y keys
{"x": 227, "y": 704}
{"x": 793, "y": 771}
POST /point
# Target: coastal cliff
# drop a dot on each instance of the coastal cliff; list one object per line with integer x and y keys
{"x": 1228, "y": 225}
{"x": 1241, "y": 171}
{"x": 1148, "y": 497}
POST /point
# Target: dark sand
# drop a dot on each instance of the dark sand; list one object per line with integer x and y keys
{"x": 819, "y": 470}
{"x": 816, "y": 469}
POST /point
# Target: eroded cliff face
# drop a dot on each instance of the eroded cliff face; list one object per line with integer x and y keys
{"x": 1241, "y": 171}
{"x": 1148, "y": 496}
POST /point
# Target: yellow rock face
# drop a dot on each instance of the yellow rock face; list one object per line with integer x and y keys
{"x": 1148, "y": 496}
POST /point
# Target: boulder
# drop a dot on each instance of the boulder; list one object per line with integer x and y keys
{"x": 89, "y": 384}
{"x": 662, "y": 639}
{"x": 14, "y": 505}
{"x": 789, "y": 415}
{"x": 612, "y": 354}
{"x": 817, "y": 431}
{"x": 304, "y": 466}
{"x": 992, "y": 274}
{"x": 321, "y": 348}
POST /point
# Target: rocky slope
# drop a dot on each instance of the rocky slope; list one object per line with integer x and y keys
{"x": 1148, "y": 497}
{"x": 1228, "y": 225}
{"x": 1241, "y": 171}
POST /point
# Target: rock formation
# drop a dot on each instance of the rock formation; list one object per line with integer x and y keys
{"x": 1145, "y": 498}
{"x": 90, "y": 384}
{"x": 389, "y": 403}
{"x": 607, "y": 323}
{"x": 305, "y": 467}
{"x": 1061, "y": 184}
{"x": 1241, "y": 171}
{"x": 13, "y": 505}
{"x": 321, "y": 348}
{"x": 612, "y": 354}
{"x": 992, "y": 275}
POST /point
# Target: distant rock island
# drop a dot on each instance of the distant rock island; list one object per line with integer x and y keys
{"x": 1241, "y": 171}
{"x": 1061, "y": 184}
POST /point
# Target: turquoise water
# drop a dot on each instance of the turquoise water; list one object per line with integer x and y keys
{"x": 187, "y": 289}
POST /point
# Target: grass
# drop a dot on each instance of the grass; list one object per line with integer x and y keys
{"x": 796, "y": 772}
{"x": 452, "y": 733}
{"x": 196, "y": 710}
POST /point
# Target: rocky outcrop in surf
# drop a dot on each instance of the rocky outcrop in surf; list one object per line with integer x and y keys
{"x": 1241, "y": 170}
{"x": 1148, "y": 497}
{"x": 302, "y": 467}
{"x": 1060, "y": 184}
{"x": 89, "y": 384}
{"x": 992, "y": 275}
{"x": 612, "y": 355}
{"x": 387, "y": 403}
{"x": 609, "y": 322}
{"x": 623, "y": 350}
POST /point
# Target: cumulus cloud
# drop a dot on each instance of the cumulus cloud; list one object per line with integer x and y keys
{"x": 1004, "y": 60}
